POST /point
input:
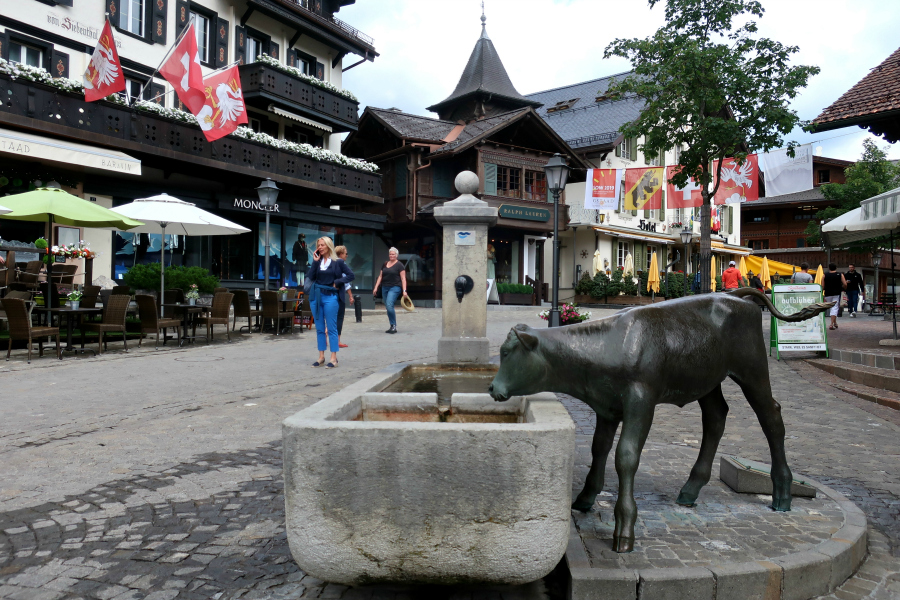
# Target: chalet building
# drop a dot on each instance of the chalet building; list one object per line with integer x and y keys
{"x": 292, "y": 55}
{"x": 484, "y": 126}
{"x": 589, "y": 120}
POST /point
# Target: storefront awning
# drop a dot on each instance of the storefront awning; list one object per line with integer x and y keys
{"x": 299, "y": 119}
{"x": 636, "y": 235}
{"x": 723, "y": 248}
{"x": 27, "y": 145}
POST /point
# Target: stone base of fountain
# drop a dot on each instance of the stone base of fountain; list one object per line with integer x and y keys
{"x": 408, "y": 488}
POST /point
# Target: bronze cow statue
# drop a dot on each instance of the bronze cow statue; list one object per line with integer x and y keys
{"x": 625, "y": 365}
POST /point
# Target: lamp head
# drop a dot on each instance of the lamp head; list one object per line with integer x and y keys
{"x": 686, "y": 235}
{"x": 268, "y": 193}
{"x": 876, "y": 258}
{"x": 557, "y": 172}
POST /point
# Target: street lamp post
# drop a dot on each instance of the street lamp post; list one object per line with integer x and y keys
{"x": 686, "y": 235}
{"x": 557, "y": 173}
{"x": 876, "y": 262}
{"x": 268, "y": 192}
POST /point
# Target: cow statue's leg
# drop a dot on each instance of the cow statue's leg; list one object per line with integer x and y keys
{"x": 604, "y": 434}
{"x": 715, "y": 411}
{"x": 635, "y": 426}
{"x": 768, "y": 412}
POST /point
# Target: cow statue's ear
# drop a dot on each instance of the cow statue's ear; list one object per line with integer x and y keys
{"x": 526, "y": 339}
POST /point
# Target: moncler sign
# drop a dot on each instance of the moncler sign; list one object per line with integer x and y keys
{"x": 247, "y": 204}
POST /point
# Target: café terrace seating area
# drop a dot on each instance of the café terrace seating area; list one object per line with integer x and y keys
{"x": 119, "y": 319}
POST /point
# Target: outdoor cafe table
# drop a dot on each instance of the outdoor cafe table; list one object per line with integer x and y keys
{"x": 186, "y": 310}
{"x": 71, "y": 314}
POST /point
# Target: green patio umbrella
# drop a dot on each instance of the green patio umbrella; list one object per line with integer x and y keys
{"x": 57, "y": 206}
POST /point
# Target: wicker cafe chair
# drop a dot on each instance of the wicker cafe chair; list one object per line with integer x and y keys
{"x": 20, "y": 328}
{"x": 151, "y": 322}
{"x": 121, "y": 290}
{"x": 271, "y": 309}
{"x": 7, "y": 271}
{"x": 90, "y": 295}
{"x": 221, "y": 306}
{"x": 171, "y": 297}
{"x": 306, "y": 315}
{"x": 29, "y": 277}
{"x": 219, "y": 289}
{"x": 242, "y": 309}
{"x": 113, "y": 320}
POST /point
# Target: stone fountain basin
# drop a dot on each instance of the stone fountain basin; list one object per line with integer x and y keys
{"x": 395, "y": 487}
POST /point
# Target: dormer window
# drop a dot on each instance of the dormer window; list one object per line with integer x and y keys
{"x": 563, "y": 105}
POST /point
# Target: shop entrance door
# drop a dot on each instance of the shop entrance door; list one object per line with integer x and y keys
{"x": 533, "y": 260}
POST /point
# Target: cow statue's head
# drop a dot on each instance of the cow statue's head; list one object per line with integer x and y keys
{"x": 523, "y": 367}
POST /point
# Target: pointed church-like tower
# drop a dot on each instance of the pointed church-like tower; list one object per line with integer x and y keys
{"x": 484, "y": 90}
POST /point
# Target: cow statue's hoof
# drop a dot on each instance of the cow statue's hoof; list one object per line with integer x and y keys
{"x": 781, "y": 505}
{"x": 582, "y": 506}
{"x": 686, "y": 500}
{"x": 622, "y": 545}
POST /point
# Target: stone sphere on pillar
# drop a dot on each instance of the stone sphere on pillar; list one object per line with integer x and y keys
{"x": 466, "y": 182}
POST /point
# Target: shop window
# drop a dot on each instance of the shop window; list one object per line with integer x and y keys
{"x": 508, "y": 182}
{"x": 418, "y": 255}
{"x": 141, "y": 249}
{"x": 535, "y": 185}
{"x": 26, "y": 54}
{"x": 505, "y": 262}
{"x": 623, "y": 251}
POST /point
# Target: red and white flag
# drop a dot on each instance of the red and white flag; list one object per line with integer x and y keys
{"x": 686, "y": 197}
{"x": 104, "y": 74}
{"x": 223, "y": 109}
{"x": 182, "y": 70}
{"x": 740, "y": 183}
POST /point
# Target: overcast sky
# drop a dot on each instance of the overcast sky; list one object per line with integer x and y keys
{"x": 544, "y": 44}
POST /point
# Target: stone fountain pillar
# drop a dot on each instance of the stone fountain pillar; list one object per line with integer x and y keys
{"x": 465, "y": 222}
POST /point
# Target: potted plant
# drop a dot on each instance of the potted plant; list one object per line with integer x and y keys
{"x": 282, "y": 291}
{"x": 74, "y": 299}
{"x": 193, "y": 294}
{"x": 515, "y": 293}
{"x": 568, "y": 314}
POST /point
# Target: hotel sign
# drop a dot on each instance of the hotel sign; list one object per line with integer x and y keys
{"x": 524, "y": 213}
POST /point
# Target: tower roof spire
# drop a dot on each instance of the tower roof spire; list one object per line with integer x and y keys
{"x": 484, "y": 34}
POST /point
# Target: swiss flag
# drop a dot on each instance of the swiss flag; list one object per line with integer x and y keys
{"x": 182, "y": 70}
{"x": 686, "y": 197}
{"x": 223, "y": 108}
{"x": 104, "y": 73}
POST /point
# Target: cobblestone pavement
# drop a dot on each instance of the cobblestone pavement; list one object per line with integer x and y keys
{"x": 146, "y": 476}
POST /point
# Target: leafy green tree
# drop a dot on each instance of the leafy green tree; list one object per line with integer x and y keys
{"x": 873, "y": 174}
{"x": 713, "y": 88}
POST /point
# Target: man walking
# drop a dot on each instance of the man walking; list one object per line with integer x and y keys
{"x": 855, "y": 287}
{"x": 731, "y": 277}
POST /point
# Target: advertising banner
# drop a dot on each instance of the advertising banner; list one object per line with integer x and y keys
{"x": 602, "y": 189}
{"x": 740, "y": 183}
{"x": 809, "y": 335}
{"x": 643, "y": 188}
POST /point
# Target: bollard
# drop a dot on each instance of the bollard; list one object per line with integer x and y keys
{"x": 357, "y": 306}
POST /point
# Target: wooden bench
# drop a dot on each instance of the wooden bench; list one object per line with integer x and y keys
{"x": 887, "y": 302}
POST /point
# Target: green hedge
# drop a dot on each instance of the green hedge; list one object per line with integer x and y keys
{"x": 146, "y": 277}
{"x": 514, "y": 288}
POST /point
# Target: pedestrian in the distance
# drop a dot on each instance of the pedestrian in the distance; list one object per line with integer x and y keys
{"x": 802, "y": 276}
{"x": 392, "y": 280}
{"x": 835, "y": 284}
{"x": 343, "y": 296}
{"x": 855, "y": 287}
{"x": 328, "y": 274}
{"x": 755, "y": 282}
{"x": 731, "y": 277}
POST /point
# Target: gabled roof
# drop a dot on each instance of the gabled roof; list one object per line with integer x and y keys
{"x": 478, "y": 129}
{"x": 587, "y": 122}
{"x": 813, "y": 195}
{"x": 407, "y": 126}
{"x": 484, "y": 74}
{"x": 874, "y": 102}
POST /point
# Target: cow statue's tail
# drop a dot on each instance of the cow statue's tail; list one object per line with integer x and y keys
{"x": 807, "y": 312}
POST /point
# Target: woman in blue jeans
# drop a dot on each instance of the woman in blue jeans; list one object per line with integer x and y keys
{"x": 328, "y": 274}
{"x": 393, "y": 281}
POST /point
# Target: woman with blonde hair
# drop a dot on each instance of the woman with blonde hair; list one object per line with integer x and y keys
{"x": 393, "y": 276}
{"x": 327, "y": 275}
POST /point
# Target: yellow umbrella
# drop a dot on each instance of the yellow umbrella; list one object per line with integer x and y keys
{"x": 820, "y": 276}
{"x": 764, "y": 274}
{"x": 742, "y": 267}
{"x": 653, "y": 276}
{"x": 712, "y": 273}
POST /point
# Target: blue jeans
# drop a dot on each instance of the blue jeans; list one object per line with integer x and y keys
{"x": 390, "y": 298}
{"x": 330, "y": 308}
{"x": 852, "y": 301}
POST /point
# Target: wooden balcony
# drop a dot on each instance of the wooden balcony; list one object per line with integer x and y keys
{"x": 48, "y": 111}
{"x": 263, "y": 85}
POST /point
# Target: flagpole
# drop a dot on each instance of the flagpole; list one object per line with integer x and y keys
{"x": 165, "y": 58}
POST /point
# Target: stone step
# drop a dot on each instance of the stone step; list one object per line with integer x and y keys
{"x": 880, "y": 386}
{"x": 883, "y": 360}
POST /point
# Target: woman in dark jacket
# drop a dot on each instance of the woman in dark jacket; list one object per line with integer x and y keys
{"x": 328, "y": 274}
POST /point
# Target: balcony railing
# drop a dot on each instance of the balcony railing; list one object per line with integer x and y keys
{"x": 263, "y": 81}
{"x": 49, "y": 110}
{"x": 333, "y": 21}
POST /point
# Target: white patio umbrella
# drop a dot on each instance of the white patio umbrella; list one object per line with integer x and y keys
{"x": 4, "y": 210}
{"x": 164, "y": 212}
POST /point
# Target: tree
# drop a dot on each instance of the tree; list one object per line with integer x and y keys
{"x": 873, "y": 174}
{"x": 714, "y": 90}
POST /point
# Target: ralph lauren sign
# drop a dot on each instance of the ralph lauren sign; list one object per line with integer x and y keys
{"x": 247, "y": 204}
{"x": 511, "y": 211}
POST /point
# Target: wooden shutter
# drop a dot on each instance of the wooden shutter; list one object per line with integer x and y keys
{"x": 274, "y": 51}
{"x": 4, "y": 46}
{"x": 158, "y": 24}
{"x": 662, "y": 205}
{"x": 619, "y": 149}
{"x": 240, "y": 44}
{"x": 114, "y": 8}
{"x": 443, "y": 185}
{"x": 221, "y": 36}
{"x": 320, "y": 71}
{"x": 155, "y": 92}
{"x": 292, "y": 57}
{"x": 59, "y": 64}
{"x": 490, "y": 179}
{"x": 182, "y": 15}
